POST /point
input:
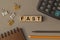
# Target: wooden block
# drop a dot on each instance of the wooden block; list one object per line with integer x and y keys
{"x": 30, "y": 18}
{"x": 22, "y": 18}
{"x": 16, "y": 7}
{"x": 40, "y": 18}
{"x": 10, "y": 22}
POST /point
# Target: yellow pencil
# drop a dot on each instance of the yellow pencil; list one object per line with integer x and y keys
{"x": 50, "y": 37}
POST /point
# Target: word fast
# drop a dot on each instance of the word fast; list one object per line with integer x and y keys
{"x": 31, "y": 18}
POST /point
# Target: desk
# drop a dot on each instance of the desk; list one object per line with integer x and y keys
{"x": 28, "y": 7}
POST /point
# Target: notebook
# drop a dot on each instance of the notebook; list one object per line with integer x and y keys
{"x": 15, "y": 34}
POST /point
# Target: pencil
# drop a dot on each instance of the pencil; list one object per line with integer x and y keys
{"x": 44, "y": 37}
{"x": 46, "y": 31}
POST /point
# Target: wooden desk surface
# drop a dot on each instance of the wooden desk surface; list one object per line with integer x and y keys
{"x": 28, "y": 7}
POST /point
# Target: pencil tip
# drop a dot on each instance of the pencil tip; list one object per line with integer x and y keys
{"x": 29, "y": 36}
